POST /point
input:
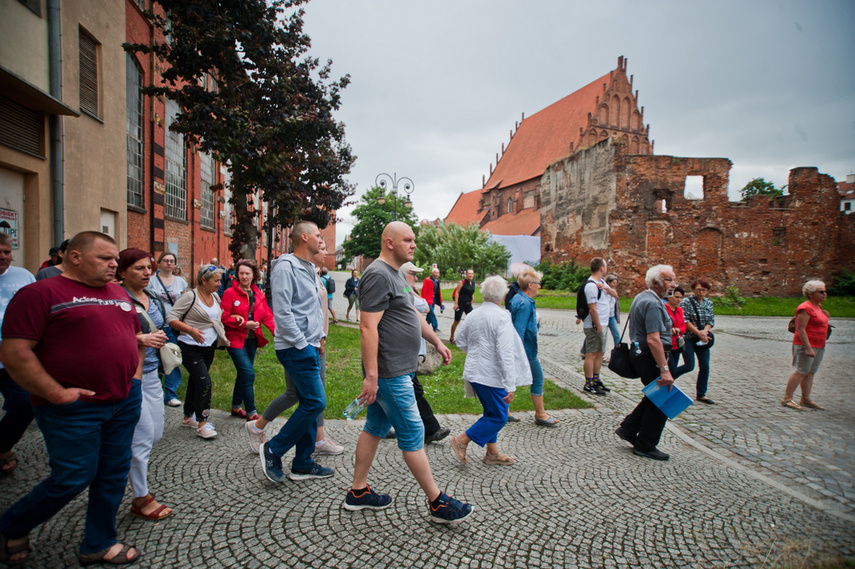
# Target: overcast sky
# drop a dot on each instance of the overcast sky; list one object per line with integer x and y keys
{"x": 437, "y": 86}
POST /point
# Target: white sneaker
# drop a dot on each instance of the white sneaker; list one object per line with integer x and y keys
{"x": 256, "y": 439}
{"x": 174, "y": 402}
{"x": 190, "y": 422}
{"x": 206, "y": 431}
{"x": 327, "y": 446}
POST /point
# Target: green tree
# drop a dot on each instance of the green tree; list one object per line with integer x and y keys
{"x": 249, "y": 94}
{"x": 455, "y": 248}
{"x": 371, "y": 219}
{"x": 760, "y": 187}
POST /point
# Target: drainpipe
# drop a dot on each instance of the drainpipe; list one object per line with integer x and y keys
{"x": 55, "y": 122}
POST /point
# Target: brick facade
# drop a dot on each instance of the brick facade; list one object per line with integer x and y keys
{"x": 633, "y": 211}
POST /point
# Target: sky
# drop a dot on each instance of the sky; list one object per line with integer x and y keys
{"x": 437, "y": 86}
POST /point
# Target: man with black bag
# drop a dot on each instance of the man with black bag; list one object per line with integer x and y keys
{"x": 650, "y": 337}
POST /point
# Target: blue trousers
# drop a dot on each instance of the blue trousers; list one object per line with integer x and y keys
{"x": 172, "y": 380}
{"x": 300, "y": 431}
{"x": 244, "y": 358}
{"x": 431, "y": 318}
{"x": 486, "y": 429}
{"x": 614, "y": 329}
{"x": 89, "y": 445}
{"x": 690, "y": 350}
{"x": 19, "y": 412}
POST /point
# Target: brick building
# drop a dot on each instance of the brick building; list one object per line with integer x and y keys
{"x": 633, "y": 210}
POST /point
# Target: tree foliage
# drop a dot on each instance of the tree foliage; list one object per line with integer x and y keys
{"x": 760, "y": 187}
{"x": 454, "y": 248}
{"x": 562, "y": 276}
{"x": 371, "y": 219}
{"x": 269, "y": 116}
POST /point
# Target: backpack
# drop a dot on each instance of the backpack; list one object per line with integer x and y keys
{"x": 330, "y": 285}
{"x": 582, "y": 308}
{"x": 512, "y": 292}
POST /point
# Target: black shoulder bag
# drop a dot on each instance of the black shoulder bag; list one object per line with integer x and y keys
{"x": 620, "y": 361}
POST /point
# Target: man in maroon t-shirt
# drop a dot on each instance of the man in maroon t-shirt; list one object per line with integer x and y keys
{"x": 71, "y": 342}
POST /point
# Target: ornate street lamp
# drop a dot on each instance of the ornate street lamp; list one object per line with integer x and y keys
{"x": 409, "y": 188}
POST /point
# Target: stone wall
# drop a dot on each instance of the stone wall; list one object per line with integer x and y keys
{"x": 632, "y": 210}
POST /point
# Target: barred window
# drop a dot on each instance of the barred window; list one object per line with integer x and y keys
{"x": 228, "y": 208}
{"x": 135, "y": 131}
{"x": 206, "y": 216}
{"x": 88, "y": 74}
{"x": 176, "y": 167}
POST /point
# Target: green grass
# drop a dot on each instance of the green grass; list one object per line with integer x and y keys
{"x": 444, "y": 389}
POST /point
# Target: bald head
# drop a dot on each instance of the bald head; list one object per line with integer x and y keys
{"x": 397, "y": 244}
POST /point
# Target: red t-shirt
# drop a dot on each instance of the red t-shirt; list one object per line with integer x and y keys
{"x": 817, "y": 326}
{"x": 86, "y": 335}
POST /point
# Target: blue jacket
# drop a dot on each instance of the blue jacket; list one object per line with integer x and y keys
{"x": 524, "y": 317}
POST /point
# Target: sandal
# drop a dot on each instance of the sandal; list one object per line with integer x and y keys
{"x": 121, "y": 558}
{"x": 154, "y": 516}
{"x": 513, "y": 419}
{"x": 791, "y": 404}
{"x": 501, "y": 459}
{"x": 459, "y": 450}
{"x": 7, "y": 551}
{"x": 551, "y": 422}
{"x": 812, "y": 405}
{"x": 9, "y": 464}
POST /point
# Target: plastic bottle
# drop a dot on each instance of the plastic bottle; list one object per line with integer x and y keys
{"x": 637, "y": 349}
{"x": 353, "y": 409}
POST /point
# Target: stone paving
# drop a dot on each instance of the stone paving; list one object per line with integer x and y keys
{"x": 749, "y": 484}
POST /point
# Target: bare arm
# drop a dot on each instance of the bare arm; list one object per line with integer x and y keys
{"x": 455, "y": 293}
{"x": 369, "y": 343}
{"x": 20, "y": 360}
{"x": 802, "y": 319}
{"x": 595, "y": 318}
{"x": 654, "y": 342}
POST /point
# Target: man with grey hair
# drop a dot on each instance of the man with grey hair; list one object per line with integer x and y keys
{"x": 651, "y": 343}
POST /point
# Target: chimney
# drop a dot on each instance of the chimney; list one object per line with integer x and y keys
{"x": 503, "y": 149}
{"x": 850, "y": 178}
{"x": 483, "y": 180}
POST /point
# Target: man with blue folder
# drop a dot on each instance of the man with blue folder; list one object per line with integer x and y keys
{"x": 650, "y": 333}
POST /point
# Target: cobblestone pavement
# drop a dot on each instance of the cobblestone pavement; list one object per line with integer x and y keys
{"x": 749, "y": 484}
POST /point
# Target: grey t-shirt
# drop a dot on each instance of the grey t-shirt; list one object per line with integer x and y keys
{"x": 647, "y": 314}
{"x": 383, "y": 289}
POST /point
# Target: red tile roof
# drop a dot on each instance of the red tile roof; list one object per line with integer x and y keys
{"x": 465, "y": 209}
{"x": 545, "y": 137}
{"x": 526, "y": 222}
{"x": 847, "y": 191}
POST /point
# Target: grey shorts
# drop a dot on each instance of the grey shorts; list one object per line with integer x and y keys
{"x": 329, "y": 301}
{"x": 595, "y": 343}
{"x": 804, "y": 364}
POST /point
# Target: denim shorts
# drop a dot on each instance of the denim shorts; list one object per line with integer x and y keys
{"x": 395, "y": 406}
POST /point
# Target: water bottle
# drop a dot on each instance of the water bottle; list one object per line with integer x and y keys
{"x": 353, "y": 409}
{"x": 637, "y": 349}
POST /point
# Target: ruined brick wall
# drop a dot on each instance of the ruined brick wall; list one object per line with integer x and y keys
{"x": 633, "y": 211}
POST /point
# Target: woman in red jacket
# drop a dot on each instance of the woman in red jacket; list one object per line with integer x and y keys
{"x": 244, "y": 311}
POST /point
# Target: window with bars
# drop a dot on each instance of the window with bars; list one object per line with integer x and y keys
{"x": 228, "y": 208}
{"x": 134, "y": 98}
{"x": 88, "y": 74}
{"x": 206, "y": 215}
{"x": 176, "y": 167}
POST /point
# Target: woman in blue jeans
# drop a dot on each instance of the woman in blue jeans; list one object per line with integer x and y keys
{"x": 700, "y": 320}
{"x": 244, "y": 300}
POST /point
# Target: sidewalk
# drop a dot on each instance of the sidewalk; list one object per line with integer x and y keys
{"x": 749, "y": 483}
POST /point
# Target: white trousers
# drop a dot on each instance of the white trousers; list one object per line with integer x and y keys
{"x": 149, "y": 430}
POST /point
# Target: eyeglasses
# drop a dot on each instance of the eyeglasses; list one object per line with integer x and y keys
{"x": 701, "y": 289}
{"x": 536, "y": 282}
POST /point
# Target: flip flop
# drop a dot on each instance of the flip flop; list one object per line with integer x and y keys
{"x": 791, "y": 404}
{"x": 812, "y": 405}
{"x": 551, "y": 422}
{"x": 500, "y": 459}
{"x": 459, "y": 450}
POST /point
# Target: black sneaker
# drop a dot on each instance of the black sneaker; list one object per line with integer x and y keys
{"x": 271, "y": 464}
{"x": 367, "y": 499}
{"x": 594, "y": 388}
{"x": 314, "y": 471}
{"x": 438, "y": 435}
{"x": 602, "y": 386}
{"x": 653, "y": 453}
{"x": 449, "y": 510}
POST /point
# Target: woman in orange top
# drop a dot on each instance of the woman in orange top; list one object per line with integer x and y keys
{"x": 808, "y": 345}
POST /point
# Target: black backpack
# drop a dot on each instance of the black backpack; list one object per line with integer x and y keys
{"x": 582, "y": 308}
{"x": 512, "y": 292}
{"x": 330, "y": 284}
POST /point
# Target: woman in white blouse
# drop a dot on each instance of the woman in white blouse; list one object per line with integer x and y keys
{"x": 495, "y": 365}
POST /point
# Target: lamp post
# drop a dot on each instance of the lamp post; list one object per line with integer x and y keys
{"x": 409, "y": 188}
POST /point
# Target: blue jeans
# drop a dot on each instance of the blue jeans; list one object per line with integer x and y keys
{"x": 690, "y": 350}
{"x": 486, "y": 429}
{"x": 172, "y": 380}
{"x": 614, "y": 329}
{"x": 19, "y": 412}
{"x": 431, "y": 318}
{"x": 300, "y": 431}
{"x": 89, "y": 444}
{"x": 536, "y": 376}
{"x": 396, "y": 406}
{"x": 243, "y": 359}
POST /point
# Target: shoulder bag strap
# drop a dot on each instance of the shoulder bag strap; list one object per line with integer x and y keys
{"x": 163, "y": 286}
{"x": 624, "y": 329}
{"x": 191, "y": 305}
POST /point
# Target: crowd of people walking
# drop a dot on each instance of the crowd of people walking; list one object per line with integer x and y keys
{"x": 101, "y": 422}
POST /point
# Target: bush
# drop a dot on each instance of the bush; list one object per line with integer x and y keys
{"x": 730, "y": 299}
{"x": 565, "y": 276}
{"x": 844, "y": 284}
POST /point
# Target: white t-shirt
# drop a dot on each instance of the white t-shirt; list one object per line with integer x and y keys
{"x": 209, "y": 335}
{"x": 591, "y": 293}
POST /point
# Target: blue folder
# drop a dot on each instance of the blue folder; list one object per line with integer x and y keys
{"x": 672, "y": 403}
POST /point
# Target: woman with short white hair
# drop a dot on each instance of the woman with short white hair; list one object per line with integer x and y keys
{"x": 496, "y": 363}
{"x": 808, "y": 345}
